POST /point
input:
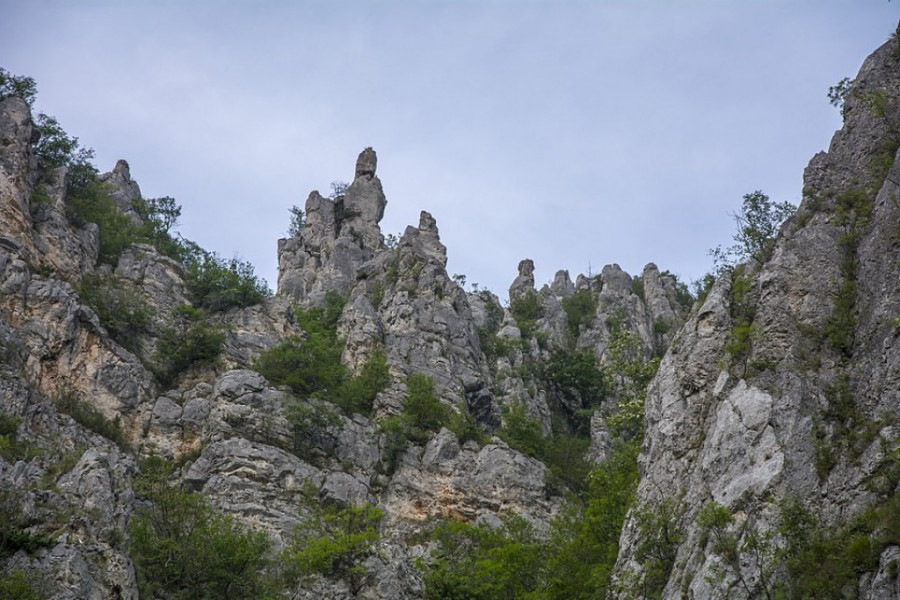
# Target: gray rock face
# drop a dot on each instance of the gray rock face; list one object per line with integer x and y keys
{"x": 749, "y": 430}
{"x": 17, "y": 166}
{"x": 123, "y": 189}
{"x": 523, "y": 284}
{"x": 340, "y": 235}
{"x": 33, "y": 212}
{"x": 446, "y": 480}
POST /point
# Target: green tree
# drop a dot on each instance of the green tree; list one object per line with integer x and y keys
{"x": 217, "y": 284}
{"x": 298, "y": 221}
{"x": 757, "y": 224}
{"x": 190, "y": 338}
{"x": 334, "y": 543}
{"x": 311, "y": 365}
{"x": 838, "y": 93}
{"x": 21, "y": 585}
{"x": 475, "y": 562}
{"x": 526, "y": 311}
{"x": 580, "y": 308}
{"x": 584, "y": 538}
{"x": 577, "y": 376}
{"x": 185, "y": 550}
{"x": 17, "y": 85}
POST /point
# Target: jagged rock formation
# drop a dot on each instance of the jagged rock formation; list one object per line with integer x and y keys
{"x": 804, "y": 410}
{"x": 65, "y": 377}
{"x": 800, "y": 407}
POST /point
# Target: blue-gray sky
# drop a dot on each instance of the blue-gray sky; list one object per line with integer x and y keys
{"x": 575, "y": 133}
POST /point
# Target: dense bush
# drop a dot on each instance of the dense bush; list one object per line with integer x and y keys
{"x": 333, "y": 543}
{"x": 191, "y": 338}
{"x": 480, "y": 562}
{"x": 526, "y": 311}
{"x": 89, "y": 202}
{"x": 580, "y": 308}
{"x": 757, "y": 225}
{"x": 577, "y": 376}
{"x": 17, "y": 85}
{"x": 659, "y": 533}
{"x": 15, "y": 534}
{"x": 184, "y": 549}
{"x": 312, "y": 367}
{"x": 423, "y": 413}
{"x": 90, "y": 418}
{"x": 22, "y": 585}
{"x": 217, "y": 284}
{"x": 574, "y": 561}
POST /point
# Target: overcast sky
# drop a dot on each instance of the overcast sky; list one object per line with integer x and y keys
{"x": 575, "y": 133}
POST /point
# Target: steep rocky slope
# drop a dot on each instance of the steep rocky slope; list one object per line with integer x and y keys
{"x": 90, "y": 389}
{"x": 770, "y": 459}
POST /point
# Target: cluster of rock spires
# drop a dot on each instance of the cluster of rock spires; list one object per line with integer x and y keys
{"x": 736, "y": 429}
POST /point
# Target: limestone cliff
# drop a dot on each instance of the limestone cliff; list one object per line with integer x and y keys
{"x": 746, "y": 435}
{"x": 87, "y": 396}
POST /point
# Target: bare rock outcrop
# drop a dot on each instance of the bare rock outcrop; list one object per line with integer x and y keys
{"x": 340, "y": 234}
{"x": 797, "y": 413}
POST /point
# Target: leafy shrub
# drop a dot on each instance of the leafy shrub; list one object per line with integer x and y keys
{"x": 523, "y": 433}
{"x": 423, "y": 413}
{"x": 89, "y": 417}
{"x": 575, "y": 560}
{"x": 743, "y": 311}
{"x": 333, "y": 543}
{"x": 843, "y": 428}
{"x": 854, "y": 208}
{"x": 479, "y": 562}
{"x": 580, "y": 308}
{"x": 637, "y": 286}
{"x": 757, "y": 224}
{"x": 495, "y": 346}
{"x": 526, "y": 311}
{"x": 191, "y": 338}
{"x": 422, "y": 410}
{"x": 576, "y": 375}
{"x": 217, "y": 284}
{"x": 312, "y": 367}
{"x": 12, "y": 448}
{"x": 54, "y": 148}
{"x": 89, "y": 202}
{"x": 159, "y": 216}
{"x": 659, "y": 534}
{"x": 561, "y": 452}
{"x": 14, "y": 532}
{"x": 837, "y": 93}
{"x": 357, "y": 393}
{"x": 17, "y": 85}
{"x": 184, "y": 549}
{"x": 584, "y": 539}
{"x": 22, "y": 585}
{"x": 298, "y": 221}
{"x": 122, "y": 311}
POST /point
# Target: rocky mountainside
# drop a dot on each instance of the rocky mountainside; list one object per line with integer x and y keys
{"x": 769, "y": 468}
{"x": 370, "y": 380}
{"x": 171, "y": 429}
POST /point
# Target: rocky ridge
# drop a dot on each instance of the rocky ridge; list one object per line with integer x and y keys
{"x": 88, "y": 410}
{"x": 802, "y": 415}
